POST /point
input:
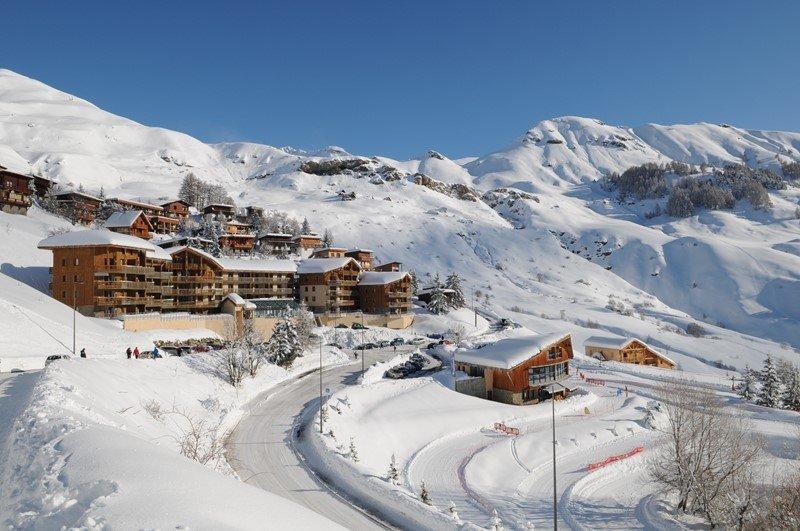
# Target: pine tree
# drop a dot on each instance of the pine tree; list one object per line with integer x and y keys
{"x": 102, "y": 193}
{"x": 439, "y": 303}
{"x": 770, "y": 393}
{"x": 353, "y": 450}
{"x": 746, "y": 388}
{"x": 451, "y": 508}
{"x": 393, "y": 476}
{"x": 81, "y": 189}
{"x": 306, "y": 227}
{"x": 424, "y": 495}
{"x": 791, "y": 391}
{"x": 327, "y": 238}
{"x": 414, "y": 282}
{"x": 495, "y": 523}
{"x": 453, "y": 282}
{"x": 284, "y": 345}
{"x": 211, "y": 230}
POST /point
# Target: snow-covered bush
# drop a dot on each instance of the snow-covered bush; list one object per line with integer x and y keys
{"x": 696, "y": 330}
{"x": 754, "y": 192}
{"x": 679, "y": 204}
{"x": 642, "y": 182}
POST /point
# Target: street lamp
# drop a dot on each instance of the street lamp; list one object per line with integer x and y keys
{"x": 320, "y": 384}
{"x": 555, "y": 494}
{"x": 74, "y": 312}
{"x": 362, "y": 343}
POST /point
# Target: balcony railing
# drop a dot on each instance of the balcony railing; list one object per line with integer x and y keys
{"x": 121, "y": 301}
{"x": 131, "y": 269}
{"x": 121, "y": 284}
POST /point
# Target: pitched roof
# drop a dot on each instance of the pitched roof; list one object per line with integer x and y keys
{"x": 381, "y": 278}
{"x": 323, "y": 265}
{"x": 239, "y": 301}
{"x": 188, "y": 204}
{"x": 79, "y": 194}
{"x": 125, "y": 219}
{"x": 232, "y": 264}
{"x": 148, "y": 206}
{"x": 615, "y": 342}
{"x": 510, "y": 352}
{"x": 94, "y": 238}
{"x": 158, "y": 254}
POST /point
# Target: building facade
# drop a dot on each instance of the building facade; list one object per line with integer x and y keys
{"x": 16, "y": 191}
{"x": 518, "y": 370}
{"x": 78, "y": 206}
{"x": 178, "y": 209}
{"x": 131, "y": 222}
{"x": 626, "y": 350}
{"x": 328, "y": 284}
{"x": 364, "y": 257}
{"x": 385, "y": 292}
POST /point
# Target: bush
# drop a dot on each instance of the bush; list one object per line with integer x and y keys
{"x": 754, "y": 192}
{"x": 791, "y": 170}
{"x": 694, "y": 329}
{"x": 734, "y": 173}
{"x": 705, "y": 194}
{"x": 643, "y": 182}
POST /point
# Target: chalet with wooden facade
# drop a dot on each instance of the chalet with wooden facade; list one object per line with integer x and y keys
{"x": 177, "y": 209}
{"x": 516, "y": 370}
{"x": 106, "y": 274}
{"x": 202, "y": 280}
{"x": 220, "y": 211}
{"x": 275, "y": 243}
{"x": 307, "y": 241}
{"x": 328, "y": 284}
{"x": 364, "y": 257}
{"x": 132, "y": 222}
{"x": 237, "y": 237}
{"x": 389, "y": 266}
{"x": 129, "y": 204}
{"x": 16, "y": 192}
{"x": 329, "y": 252}
{"x": 165, "y": 224}
{"x": 384, "y": 292}
{"x": 626, "y": 350}
{"x": 42, "y": 185}
{"x": 81, "y": 207}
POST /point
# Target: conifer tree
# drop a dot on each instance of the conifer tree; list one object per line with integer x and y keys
{"x": 414, "y": 282}
{"x": 353, "y": 450}
{"x": 424, "y": 495}
{"x": 791, "y": 391}
{"x": 439, "y": 303}
{"x": 770, "y": 393}
{"x": 306, "y": 227}
{"x": 495, "y": 523}
{"x": 327, "y": 238}
{"x": 284, "y": 345}
{"x": 453, "y": 282}
{"x": 746, "y": 388}
{"x": 393, "y": 475}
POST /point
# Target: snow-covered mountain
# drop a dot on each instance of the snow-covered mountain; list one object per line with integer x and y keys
{"x": 525, "y": 224}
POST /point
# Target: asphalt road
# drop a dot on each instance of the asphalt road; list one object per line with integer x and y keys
{"x": 260, "y": 447}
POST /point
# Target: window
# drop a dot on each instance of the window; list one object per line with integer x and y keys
{"x": 63, "y": 278}
{"x": 63, "y": 262}
{"x": 554, "y": 353}
{"x": 547, "y": 374}
{"x": 74, "y": 278}
{"x": 77, "y": 261}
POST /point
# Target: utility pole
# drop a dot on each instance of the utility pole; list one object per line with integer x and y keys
{"x": 474, "y": 310}
{"x": 320, "y": 384}
{"x": 362, "y": 344}
{"x": 74, "y": 311}
{"x": 555, "y": 492}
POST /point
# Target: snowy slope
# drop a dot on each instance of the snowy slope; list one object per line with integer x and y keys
{"x": 551, "y": 261}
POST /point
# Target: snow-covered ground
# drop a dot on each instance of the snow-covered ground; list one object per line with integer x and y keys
{"x": 99, "y": 445}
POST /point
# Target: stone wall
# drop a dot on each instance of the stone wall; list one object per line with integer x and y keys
{"x": 395, "y": 322}
{"x": 223, "y": 325}
{"x": 472, "y": 387}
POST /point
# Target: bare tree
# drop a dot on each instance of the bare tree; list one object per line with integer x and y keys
{"x": 457, "y": 334}
{"x": 250, "y": 343}
{"x": 198, "y": 440}
{"x": 708, "y": 459}
{"x": 232, "y": 363}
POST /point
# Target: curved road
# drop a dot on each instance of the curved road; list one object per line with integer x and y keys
{"x": 261, "y": 451}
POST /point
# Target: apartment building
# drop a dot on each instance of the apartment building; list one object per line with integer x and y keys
{"x": 387, "y": 292}
{"x": 328, "y": 284}
{"x": 15, "y": 192}
{"x": 78, "y": 206}
{"x": 131, "y": 222}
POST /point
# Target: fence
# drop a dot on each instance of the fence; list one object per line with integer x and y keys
{"x": 614, "y": 458}
{"x": 499, "y": 426}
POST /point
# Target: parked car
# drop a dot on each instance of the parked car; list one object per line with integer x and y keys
{"x": 418, "y": 340}
{"x": 336, "y": 345}
{"x": 395, "y": 373}
{"x": 397, "y": 341}
{"x": 358, "y": 326}
{"x": 55, "y": 357}
{"x": 365, "y": 346}
{"x": 382, "y": 344}
{"x": 341, "y": 325}
{"x": 436, "y": 336}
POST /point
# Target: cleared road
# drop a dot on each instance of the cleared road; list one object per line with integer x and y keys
{"x": 260, "y": 448}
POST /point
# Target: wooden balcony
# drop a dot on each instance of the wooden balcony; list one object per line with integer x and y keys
{"x": 121, "y": 284}
{"x": 129, "y": 269}
{"x": 121, "y": 301}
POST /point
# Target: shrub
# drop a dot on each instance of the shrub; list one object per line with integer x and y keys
{"x": 754, "y": 192}
{"x": 694, "y": 329}
{"x": 679, "y": 204}
{"x": 643, "y": 182}
{"x": 791, "y": 170}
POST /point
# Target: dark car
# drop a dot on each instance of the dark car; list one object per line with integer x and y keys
{"x": 336, "y": 345}
{"x": 55, "y": 357}
{"x": 358, "y": 326}
{"x": 342, "y": 325}
{"x": 365, "y": 346}
{"x": 395, "y": 373}
{"x": 397, "y": 341}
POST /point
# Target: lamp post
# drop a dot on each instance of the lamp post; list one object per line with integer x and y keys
{"x": 74, "y": 313}
{"x": 555, "y": 493}
{"x": 362, "y": 344}
{"x": 320, "y": 384}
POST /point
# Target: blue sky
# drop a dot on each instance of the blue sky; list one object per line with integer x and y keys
{"x": 398, "y": 78}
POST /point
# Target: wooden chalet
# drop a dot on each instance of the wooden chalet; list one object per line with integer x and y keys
{"x": 80, "y": 207}
{"x": 106, "y": 274}
{"x": 177, "y": 208}
{"x": 165, "y": 224}
{"x": 329, "y": 252}
{"x": 129, "y": 204}
{"x": 307, "y": 241}
{"x": 132, "y": 222}
{"x": 42, "y": 185}
{"x": 626, "y": 350}
{"x": 237, "y": 238}
{"x": 389, "y": 266}
{"x": 328, "y": 284}
{"x": 16, "y": 191}
{"x": 364, "y": 257}
{"x": 185, "y": 241}
{"x": 385, "y": 292}
{"x": 516, "y": 370}
{"x": 276, "y": 243}
{"x": 220, "y": 210}
{"x": 202, "y": 280}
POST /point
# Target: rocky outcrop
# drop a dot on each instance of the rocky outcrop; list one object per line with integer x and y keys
{"x": 459, "y": 191}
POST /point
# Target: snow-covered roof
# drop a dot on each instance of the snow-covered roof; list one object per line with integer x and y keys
{"x": 225, "y": 205}
{"x": 360, "y": 251}
{"x": 323, "y": 265}
{"x": 123, "y": 219}
{"x": 380, "y": 278}
{"x": 158, "y": 254}
{"x": 235, "y": 235}
{"x": 510, "y": 352}
{"x": 165, "y": 203}
{"x": 94, "y": 238}
{"x": 275, "y": 235}
{"x": 238, "y": 223}
{"x": 309, "y": 236}
{"x": 80, "y": 194}
{"x": 135, "y": 203}
{"x": 239, "y": 301}
{"x": 615, "y": 342}
{"x": 232, "y": 264}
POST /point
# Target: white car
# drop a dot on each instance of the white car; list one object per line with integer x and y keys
{"x": 55, "y": 357}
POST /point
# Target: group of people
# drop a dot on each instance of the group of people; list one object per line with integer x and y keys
{"x": 135, "y": 353}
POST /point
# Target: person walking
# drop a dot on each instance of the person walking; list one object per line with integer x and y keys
{"x": 155, "y": 353}
{"x": 129, "y": 352}
{"x": 83, "y": 353}
{"x": 136, "y": 352}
